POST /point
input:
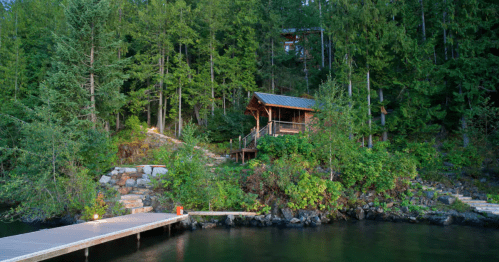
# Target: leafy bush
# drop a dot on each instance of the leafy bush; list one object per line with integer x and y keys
{"x": 98, "y": 207}
{"x": 377, "y": 168}
{"x": 309, "y": 191}
{"x": 285, "y": 145}
{"x": 493, "y": 198}
{"x": 425, "y": 153}
{"x": 464, "y": 157}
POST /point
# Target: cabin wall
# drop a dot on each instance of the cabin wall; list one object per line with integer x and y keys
{"x": 308, "y": 117}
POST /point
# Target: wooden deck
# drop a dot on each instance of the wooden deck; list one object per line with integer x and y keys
{"x": 244, "y": 153}
{"x": 45, "y": 244}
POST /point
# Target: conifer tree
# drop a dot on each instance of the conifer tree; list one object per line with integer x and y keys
{"x": 86, "y": 73}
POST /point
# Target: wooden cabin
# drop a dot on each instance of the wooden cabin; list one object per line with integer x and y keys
{"x": 285, "y": 115}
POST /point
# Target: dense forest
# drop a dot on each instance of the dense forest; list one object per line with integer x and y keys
{"x": 73, "y": 73}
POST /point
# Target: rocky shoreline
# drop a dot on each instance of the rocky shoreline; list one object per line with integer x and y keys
{"x": 312, "y": 218}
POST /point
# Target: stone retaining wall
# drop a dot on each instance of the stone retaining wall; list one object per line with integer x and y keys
{"x": 124, "y": 179}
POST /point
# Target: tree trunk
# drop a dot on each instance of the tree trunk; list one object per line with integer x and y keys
{"x": 117, "y": 122}
{"x": 212, "y": 74}
{"x": 370, "y": 140}
{"x": 161, "y": 62}
{"x": 385, "y": 134}
{"x": 148, "y": 112}
{"x": 330, "y": 54}
{"x": 272, "y": 68}
{"x": 422, "y": 18}
{"x": 17, "y": 64}
{"x": 445, "y": 33}
{"x": 180, "y": 94}
{"x": 93, "y": 117}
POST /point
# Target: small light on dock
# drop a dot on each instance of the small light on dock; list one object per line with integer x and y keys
{"x": 96, "y": 216}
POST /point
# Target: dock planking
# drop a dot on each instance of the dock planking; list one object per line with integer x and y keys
{"x": 45, "y": 244}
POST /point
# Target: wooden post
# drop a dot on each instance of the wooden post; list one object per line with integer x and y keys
{"x": 237, "y": 157}
{"x": 270, "y": 121}
{"x": 243, "y": 157}
{"x": 86, "y": 252}
{"x": 239, "y": 142}
{"x": 231, "y": 145}
{"x": 257, "y": 124}
{"x": 138, "y": 236}
{"x": 169, "y": 229}
{"x": 244, "y": 143}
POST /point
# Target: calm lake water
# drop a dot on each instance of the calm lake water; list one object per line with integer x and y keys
{"x": 341, "y": 241}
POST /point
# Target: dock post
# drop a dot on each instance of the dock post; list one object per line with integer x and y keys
{"x": 169, "y": 230}
{"x": 239, "y": 142}
{"x": 138, "y": 236}
{"x": 86, "y": 253}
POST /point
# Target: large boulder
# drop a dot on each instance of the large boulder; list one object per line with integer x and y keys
{"x": 143, "y": 182}
{"x": 359, "y": 213}
{"x": 130, "y": 170}
{"x": 287, "y": 213}
{"x": 429, "y": 194}
{"x": 104, "y": 179}
{"x": 122, "y": 180}
{"x": 448, "y": 200}
{"x": 147, "y": 170}
{"x": 159, "y": 171}
{"x": 144, "y": 176}
{"x": 130, "y": 183}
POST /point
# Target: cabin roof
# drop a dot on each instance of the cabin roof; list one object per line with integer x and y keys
{"x": 285, "y": 101}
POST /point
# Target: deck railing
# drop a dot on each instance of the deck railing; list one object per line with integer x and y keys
{"x": 274, "y": 128}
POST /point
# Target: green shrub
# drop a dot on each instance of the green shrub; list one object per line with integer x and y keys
{"x": 493, "y": 198}
{"x": 464, "y": 157}
{"x": 98, "y": 207}
{"x": 425, "y": 153}
{"x": 309, "y": 191}
{"x": 377, "y": 168}
{"x": 285, "y": 145}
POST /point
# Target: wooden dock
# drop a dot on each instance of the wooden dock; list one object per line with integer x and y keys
{"x": 45, "y": 244}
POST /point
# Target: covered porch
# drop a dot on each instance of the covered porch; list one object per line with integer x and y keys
{"x": 279, "y": 115}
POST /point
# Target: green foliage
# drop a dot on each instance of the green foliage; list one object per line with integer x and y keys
{"x": 464, "y": 157}
{"x": 425, "y": 153}
{"x": 491, "y": 198}
{"x": 232, "y": 124}
{"x": 280, "y": 146}
{"x": 190, "y": 184}
{"x": 98, "y": 207}
{"x": 308, "y": 192}
{"x": 377, "y": 168}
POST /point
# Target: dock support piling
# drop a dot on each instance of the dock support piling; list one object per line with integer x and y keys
{"x": 169, "y": 230}
{"x": 86, "y": 253}
{"x": 138, "y": 236}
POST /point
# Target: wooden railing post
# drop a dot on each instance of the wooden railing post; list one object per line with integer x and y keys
{"x": 244, "y": 143}
{"x": 239, "y": 142}
{"x": 231, "y": 145}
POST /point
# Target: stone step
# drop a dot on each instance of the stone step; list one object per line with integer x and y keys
{"x": 484, "y": 205}
{"x": 464, "y": 198}
{"x": 487, "y": 208}
{"x": 131, "y": 196}
{"x": 473, "y": 201}
{"x": 132, "y": 205}
{"x": 490, "y": 212}
{"x": 129, "y": 201}
{"x": 139, "y": 189}
{"x": 139, "y": 192}
{"x": 137, "y": 210}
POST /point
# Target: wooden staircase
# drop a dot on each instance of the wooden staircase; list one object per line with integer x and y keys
{"x": 133, "y": 202}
